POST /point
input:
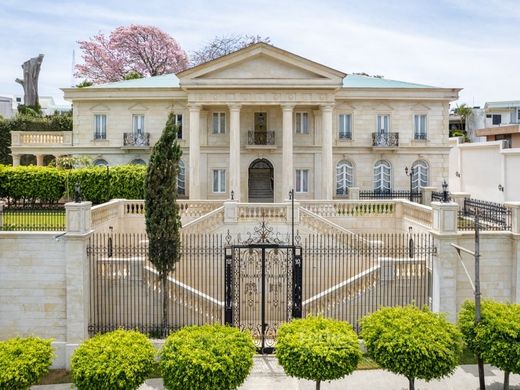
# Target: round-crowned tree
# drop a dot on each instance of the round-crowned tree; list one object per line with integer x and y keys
{"x": 206, "y": 357}
{"x": 121, "y": 359}
{"x": 497, "y": 337}
{"x": 317, "y": 349}
{"x": 412, "y": 342}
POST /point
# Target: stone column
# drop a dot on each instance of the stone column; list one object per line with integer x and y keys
{"x": 287, "y": 151}
{"x": 445, "y": 263}
{"x": 194, "y": 169}
{"x": 78, "y": 231}
{"x": 326, "y": 153}
{"x": 16, "y": 160}
{"x": 426, "y": 193}
{"x": 234, "y": 151}
{"x": 39, "y": 160}
{"x": 515, "y": 229}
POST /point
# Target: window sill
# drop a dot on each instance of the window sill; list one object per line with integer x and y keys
{"x": 100, "y": 141}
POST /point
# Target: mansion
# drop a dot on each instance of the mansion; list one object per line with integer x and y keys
{"x": 261, "y": 121}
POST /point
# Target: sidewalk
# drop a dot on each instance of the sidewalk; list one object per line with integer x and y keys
{"x": 268, "y": 375}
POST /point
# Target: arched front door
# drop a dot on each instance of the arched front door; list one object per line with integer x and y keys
{"x": 261, "y": 181}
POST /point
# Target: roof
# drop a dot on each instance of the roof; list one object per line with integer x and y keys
{"x": 162, "y": 81}
{"x": 504, "y": 104}
{"x": 360, "y": 81}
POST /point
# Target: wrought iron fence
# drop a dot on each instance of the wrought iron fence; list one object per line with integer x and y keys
{"x": 414, "y": 196}
{"x": 437, "y": 196}
{"x": 32, "y": 217}
{"x": 343, "y": 277}
{"x": 492, "y": 216}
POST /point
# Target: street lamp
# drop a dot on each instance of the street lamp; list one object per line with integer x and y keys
{"x": 412, "y": 171}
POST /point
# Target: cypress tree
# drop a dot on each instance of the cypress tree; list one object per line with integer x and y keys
{"x": 162, "y": 215}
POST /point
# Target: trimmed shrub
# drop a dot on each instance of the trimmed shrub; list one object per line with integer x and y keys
{"x": 206, "y": 357}
{"x": 497, "y": 337}
{"x": 23, "y": 361}
{"x": 120, "y": 359}
{"x": 127, "y": 182}
{"x": 317, "y": 349}
{"x": 412, "y": 342}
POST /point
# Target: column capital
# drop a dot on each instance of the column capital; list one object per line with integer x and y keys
{"x": 326, "y": 107}
{"x": 234, "y": 107}
{"x": 194, "y": 107}
{"x": 287, "y": 107}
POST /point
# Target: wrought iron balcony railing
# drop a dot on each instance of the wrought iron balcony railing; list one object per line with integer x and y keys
{"x": 136, "y": 140}
{"x": 420, "y": 136}
{"x": 385, "y": 140}
{"x": 260, "y": 138}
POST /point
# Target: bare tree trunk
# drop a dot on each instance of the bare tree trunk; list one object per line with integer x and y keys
{"x": 164, "y": 283}
{"x": 318, "y": 384}
{"x": 411, "y": 382}
{"x": 506, "y": 380}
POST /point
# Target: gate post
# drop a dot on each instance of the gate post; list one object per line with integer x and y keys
{"x": 228, "y": 287}
{"x": 297, "y": 282}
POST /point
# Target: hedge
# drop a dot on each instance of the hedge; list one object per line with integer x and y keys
{"x": 317, "y": 349}
{"x": 206, "y": 357}
{"x": 120, "y": 359}
{"x": 23, "y": 361}
{"x": 412, "y": 342}
{"x": 55, "y": 122}
{"x": 33, "y": 184}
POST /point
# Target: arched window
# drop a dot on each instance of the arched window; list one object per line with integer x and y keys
{"x": 382, "y": 176}
{"x": 420, "y": 175}
{"x": 100, "y": 162}
{"x": 344, "y": 177}
{"x": 138, "y": 161}
{"x": 181, "y": 179}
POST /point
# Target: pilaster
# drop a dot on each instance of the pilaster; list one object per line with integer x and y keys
{"x": 287, "y": 150}
{"x": 234, "y": 150}
{"x": 194, "y": 168}
{"x": 326, "y": 152}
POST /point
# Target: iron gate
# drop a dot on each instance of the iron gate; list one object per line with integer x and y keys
{"x": 263, "y": 288}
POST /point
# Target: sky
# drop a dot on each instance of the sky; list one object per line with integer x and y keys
{"x": 469, "y": 44}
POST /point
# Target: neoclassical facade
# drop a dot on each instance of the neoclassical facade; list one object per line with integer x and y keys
{"x": 262, "y": 121}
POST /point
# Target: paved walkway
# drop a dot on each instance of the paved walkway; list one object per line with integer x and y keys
{"x": 268, "y": 375}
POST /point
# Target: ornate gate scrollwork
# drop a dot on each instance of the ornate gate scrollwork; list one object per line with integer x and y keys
{"x": 263, "y": 282}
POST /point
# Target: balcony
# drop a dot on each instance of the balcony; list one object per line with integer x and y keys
{"x": 136, "y": 140}
{"x": 261, "y": 139}
{"x": 385, "y": 140}
{"x": 41, "y": 138}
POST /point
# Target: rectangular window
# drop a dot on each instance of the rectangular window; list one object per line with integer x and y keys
{"x": 178, "y": 122}
{"x": 219, "y": 180}
{"x": 302, "y": 123}
{"x": 138, "y": 124}
{"x": 497, "y": 119}
{"x": 302, "y": 180}
{"x": 101, "y": 126}
{"x": 345, "y": 126}
{"x": 219, "y": 122}
{"x": 420, "y": 126}
{"x": 383, "y": 124}
{"x": 518, "y": 115}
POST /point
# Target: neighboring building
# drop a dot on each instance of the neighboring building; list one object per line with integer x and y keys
{"x": 6, "y": 107}
{"x": 502, "y": 122}
{"x": 9, "y": 105}
{"x": 261, "y": 121}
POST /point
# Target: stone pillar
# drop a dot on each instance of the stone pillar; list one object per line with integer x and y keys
{"x": 234, "y": 151}
{"x": 230, "y": 212}
{"x": 445, "y": 263}
{"x": 78, "y": 231}
{"x": 39, "y": 160}
{"x": 287, "y": 151}
{"x": 353, "y": 193}
{"x": 458, "y": 197}
{"x": 515, "y": 216}
{"x": 515, "y": 229}
{"x": 16, "y": 160}
{"x": 326, "y": 153}
{"x": 194, "y": 169}
{"x": 426, "y": 193}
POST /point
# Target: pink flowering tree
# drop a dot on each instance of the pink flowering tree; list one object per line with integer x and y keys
{"x": 145, "y": 50}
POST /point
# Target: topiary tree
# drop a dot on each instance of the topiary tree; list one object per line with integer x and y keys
{"x": 23, "y": 361}
{"x": 163, "y": 221}
{"x": 317, "y": 349}
{"x": 121, "y": 359}
{"x": 206, "y": 357}
{"x": 412, "y": 342}
{"x": 497, "y": 337}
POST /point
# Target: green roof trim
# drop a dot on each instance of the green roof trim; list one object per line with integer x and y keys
{"x": 360, "y": 81}
{"x": 162, "y": 81}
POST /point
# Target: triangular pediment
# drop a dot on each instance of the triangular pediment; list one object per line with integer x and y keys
{"x": 420, "y": 107}
{"x": 138, "y": 107}
{"x": 260, "y": 65}
{"x": 99, "y": 108}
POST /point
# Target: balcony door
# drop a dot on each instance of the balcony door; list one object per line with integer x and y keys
{"x": 261, "y": 181}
